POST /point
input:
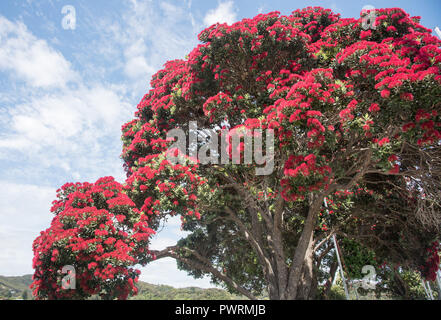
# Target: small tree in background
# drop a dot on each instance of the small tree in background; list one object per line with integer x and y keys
{"x": 98, "y": 231}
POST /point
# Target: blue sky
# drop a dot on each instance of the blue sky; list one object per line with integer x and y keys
{"x": 64, "y": 95}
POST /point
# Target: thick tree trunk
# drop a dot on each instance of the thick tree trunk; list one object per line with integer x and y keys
{"x": 273, "y": 292}
{"x": 306, "y": 289}
{"x": 308, "y": 284}
{"x": 304, "y": 250}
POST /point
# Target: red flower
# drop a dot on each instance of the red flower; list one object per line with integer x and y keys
{"x": 365, "y": 34}
{"x": 383, "y": 141}
{"x": 352, "y": 104}
{"x": 385, "y": 93}
{"x": 120, "y": 218}
{"x": 392, "y": 158}
{"x": 346, "y": 114}
{"x": 407, "y": 96}
{"x": 391, "y": 29}
{"x": 395, "y": 169}
{"x": 92, "y": 265}
{"x": 192, "y": 197}
{"x": 374, "y": 107}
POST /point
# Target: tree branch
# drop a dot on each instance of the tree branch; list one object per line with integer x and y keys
{"x": 254, "y": 243}
{"x": 204, "y": 265}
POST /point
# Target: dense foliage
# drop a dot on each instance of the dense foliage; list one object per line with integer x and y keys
{"x": 15, "y": 288}
{"x": 98, "y": 231}
{"x": 356, "y": 116}
{"x": 163, "y": 292}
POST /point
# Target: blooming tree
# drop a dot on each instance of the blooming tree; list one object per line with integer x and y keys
{"x": 356, "y": 119}
{"x": 98, "y": 231}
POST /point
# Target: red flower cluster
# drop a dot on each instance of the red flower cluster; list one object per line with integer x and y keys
{"x": 319, "y": 80}
{"x": 431, "y": 266}
{"x": 98, "y": 230}
{"x": 310, "y": 177}
{"x": 159, "y": 187}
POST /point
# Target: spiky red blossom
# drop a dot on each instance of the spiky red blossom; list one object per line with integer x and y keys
{"x": 299, "y": 95}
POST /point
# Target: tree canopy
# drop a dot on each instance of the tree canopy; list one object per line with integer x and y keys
{"x": 355, "y": 114}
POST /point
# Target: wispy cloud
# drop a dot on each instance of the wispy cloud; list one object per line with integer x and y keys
{"x": 157, "y": 33}
{"x": 30, "y": 59}
{"x": 54, "y": 127}
{"x": 73, "y": 130}
{"x": 148, "y": 34}
{"x": 335, "y": 8}
{"x": 224, "y": 12}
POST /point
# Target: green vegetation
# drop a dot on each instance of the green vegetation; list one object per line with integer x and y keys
{"x": 17, "y": 288}
{"x": 162, "y": 292}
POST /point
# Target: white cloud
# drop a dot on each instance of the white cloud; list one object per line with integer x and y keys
{"x": 136, "y": 64}
{"x": 24, "y": 211}
{"x": 150, "y": 34}
{"x": 164, "y": 271}
{"x": 31, "y": 59}
{"x": 160, "y": 243}
{"x": 69, "y": 130}
{"x": 223, "y": 13}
